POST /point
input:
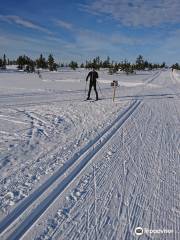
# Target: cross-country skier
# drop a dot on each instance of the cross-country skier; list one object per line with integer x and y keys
{"x": 93, "y": 75}
{"x": 39, "y": 74}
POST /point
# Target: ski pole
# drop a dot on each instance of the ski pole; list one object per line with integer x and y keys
{"x": 114, "y": 92}
{"x": 100, "y": 89}
{"x": 85, "y": 88}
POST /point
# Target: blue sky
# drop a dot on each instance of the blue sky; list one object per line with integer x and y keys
{"x": 83, "y": 29}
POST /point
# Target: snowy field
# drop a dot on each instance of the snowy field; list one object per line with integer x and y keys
{"x": 72, "y": 169}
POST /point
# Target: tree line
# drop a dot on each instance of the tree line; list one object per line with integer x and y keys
{"x": 27, "y": 64}
{"x": 125, "y": 65}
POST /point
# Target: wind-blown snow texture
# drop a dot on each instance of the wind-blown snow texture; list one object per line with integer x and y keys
{"x": 90, "y": 170}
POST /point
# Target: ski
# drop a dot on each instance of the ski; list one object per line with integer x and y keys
{"x": 89, "y": 100}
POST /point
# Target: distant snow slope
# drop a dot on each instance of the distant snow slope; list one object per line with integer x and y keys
{"x": 89, "y": 170}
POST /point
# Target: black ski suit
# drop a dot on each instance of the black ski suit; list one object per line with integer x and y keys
{"x": 93, "y": 75}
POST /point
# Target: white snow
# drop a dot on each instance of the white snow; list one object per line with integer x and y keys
{"x": 176, "y": 74}
{"x": 72, "y": 169}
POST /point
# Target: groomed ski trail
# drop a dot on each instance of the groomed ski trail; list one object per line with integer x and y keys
{"x": 65, "y": 175}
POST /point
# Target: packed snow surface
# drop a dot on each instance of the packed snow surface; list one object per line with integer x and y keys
{"x": 75, "y": 169}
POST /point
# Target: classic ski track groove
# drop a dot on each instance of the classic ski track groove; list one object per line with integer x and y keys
{"x": 85, "y": 155}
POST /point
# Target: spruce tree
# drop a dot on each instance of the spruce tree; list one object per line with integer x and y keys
{"x": 4, "y": 62}
{"x": 140, "y": 63}
{"x": 73, "y": 65}
{"x": 163, "y": 65}
{"x": 51, "y": 62}
{"x": 41, "y": 62}
{"x": 1, "y": 63}
{"x": 20, "y": 62}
